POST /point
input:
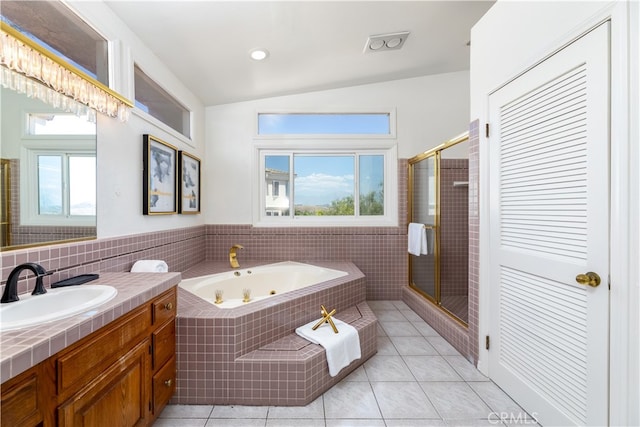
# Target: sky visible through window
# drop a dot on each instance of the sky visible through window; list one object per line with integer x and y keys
{"x": 324, "y": 124}
{"x": 321, "y": 179}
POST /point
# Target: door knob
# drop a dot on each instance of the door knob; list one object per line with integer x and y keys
{"x": 590, "y": 279}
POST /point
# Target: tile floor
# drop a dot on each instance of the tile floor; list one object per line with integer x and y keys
{"x": 416, "y": 379}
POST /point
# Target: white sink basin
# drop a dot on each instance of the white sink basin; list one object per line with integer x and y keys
{"x": 56, "y": 304}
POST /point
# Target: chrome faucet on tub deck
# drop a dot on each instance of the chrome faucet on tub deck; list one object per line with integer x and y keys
{"x": 233, "y": 257}
{"x": 11, "y": 288}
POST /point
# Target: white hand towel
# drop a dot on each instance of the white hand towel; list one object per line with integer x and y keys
{"x": 417, "y": 239}
{"x": 342, "y": 348}
{"x": 150, "y": 266}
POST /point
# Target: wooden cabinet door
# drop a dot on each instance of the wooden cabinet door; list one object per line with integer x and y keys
{"x": 116, "y": 398}
{"x": 20, "y": 405}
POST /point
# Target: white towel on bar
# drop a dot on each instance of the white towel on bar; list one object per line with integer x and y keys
{"x": 341, "y": 348}
{"x": 150, "y": 266}
{"x": 417, "y": 239}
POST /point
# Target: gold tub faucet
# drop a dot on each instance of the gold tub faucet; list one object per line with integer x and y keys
{"x": 233, "y": 257}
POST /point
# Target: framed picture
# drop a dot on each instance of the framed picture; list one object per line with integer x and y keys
{"x": 160, "y": 167}
{"x": 189, "y": 190}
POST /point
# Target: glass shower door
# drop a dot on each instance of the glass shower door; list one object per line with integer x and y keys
{"x": 439, "y": 197}
{"x": 423, "y": 268}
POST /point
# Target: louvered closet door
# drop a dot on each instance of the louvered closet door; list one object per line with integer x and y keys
{"x": 549, "y": 199}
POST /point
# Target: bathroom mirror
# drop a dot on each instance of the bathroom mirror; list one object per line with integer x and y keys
{"x": 48, "y": 173}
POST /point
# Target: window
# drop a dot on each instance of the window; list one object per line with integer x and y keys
{"x": 59, "y": 184}
{"x": 62, "y": 32}
{"x": 155, "y": 101}
{"x": 324, "y": 185}
{"x": 341, "y": 170}
{"x": 324, "y": 124}
{"x": 66, "y": 184}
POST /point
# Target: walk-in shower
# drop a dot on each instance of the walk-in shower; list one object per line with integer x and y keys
{"x": 439, "y": 199}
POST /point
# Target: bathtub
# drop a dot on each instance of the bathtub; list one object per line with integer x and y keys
{"x": 250, "y": 355}
{"x": 261, "y": 282}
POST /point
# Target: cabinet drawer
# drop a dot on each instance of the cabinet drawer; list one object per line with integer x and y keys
{"x": 164, "y": 308}
{"x": 164, "y": 384}
{"x": 164, "y": 343}
{"x": 88, "y": 358}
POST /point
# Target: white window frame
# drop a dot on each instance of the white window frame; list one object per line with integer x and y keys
{"x": 34, "y": 145}
{"x": 315, "y": 146}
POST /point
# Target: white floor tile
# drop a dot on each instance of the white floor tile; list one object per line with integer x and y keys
{"x": 414, "y": 423}
{"x": 431, "y": 368}
{"x": 235, "y": 422}
{"x": 424, "y": 328}
{"x": 456, "y": 400}
{"x": 497, "y": 399}
{"x": 354, "y": 423}
{"x": 386, "y": 347}
{"x": 442, "y": 346}
{"x": 313, "y": 410}
{"x": 403, "y": 400}
{"x": 413, "y": 346}
{"x": 465, "y": 369}
{"x": 387, "y": 368}
{"x": 390, "y": 315}
{"x": 180, "y": 422}
{"x": 399, "y": 329}
{"x": 283, "y": 422}
{"x": 239, "y": 411}
{"x": 186, "y": 411}
{"x": 340, "y": 401}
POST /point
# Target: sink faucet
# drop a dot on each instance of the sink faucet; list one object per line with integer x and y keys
{"x": 233, "y": 257}
{"x": 11, "y": 288}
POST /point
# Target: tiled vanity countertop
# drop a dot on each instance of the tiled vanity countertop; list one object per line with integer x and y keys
{"x": 21, "y": 349}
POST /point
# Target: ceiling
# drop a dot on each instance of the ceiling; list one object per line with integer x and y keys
{"x": 313, "y": 45}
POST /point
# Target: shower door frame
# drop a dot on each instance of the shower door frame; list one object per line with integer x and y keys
{"x": 436, "y": 153}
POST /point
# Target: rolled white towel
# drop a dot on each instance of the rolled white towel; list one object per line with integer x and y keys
{"x": 150, "y": 266}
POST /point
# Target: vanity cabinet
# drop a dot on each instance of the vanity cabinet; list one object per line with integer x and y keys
{"x": 20, "y": 404}
{"x": 121, "y": 375}
{"x": 116, "y": 397}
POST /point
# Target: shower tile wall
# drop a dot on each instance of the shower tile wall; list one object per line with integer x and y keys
{"x": 454, "y": 227}
{"x": 474, "y": 236}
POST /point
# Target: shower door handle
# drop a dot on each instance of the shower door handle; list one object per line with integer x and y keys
{"x": 590, "y": 279}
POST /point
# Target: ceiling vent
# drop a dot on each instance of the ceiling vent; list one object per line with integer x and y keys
{"x": 384, "y": 42}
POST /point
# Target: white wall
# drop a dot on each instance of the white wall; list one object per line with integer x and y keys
{"x": 513, "y": 36}
{"x": 120, "y": 144}
{"x": 430, "y": 110}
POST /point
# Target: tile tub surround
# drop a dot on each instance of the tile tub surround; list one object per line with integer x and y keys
{"x": 379, "y": 252}
{"x": 220, "y": 358}
{"x": 24, "y": 348}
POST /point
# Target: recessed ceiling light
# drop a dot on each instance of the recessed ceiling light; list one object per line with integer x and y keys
{"x": 376, "y": 44}
{"x": 394, "y": 42}
{"x": 382, "y": 42}
{"x": 259, "y": 54}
